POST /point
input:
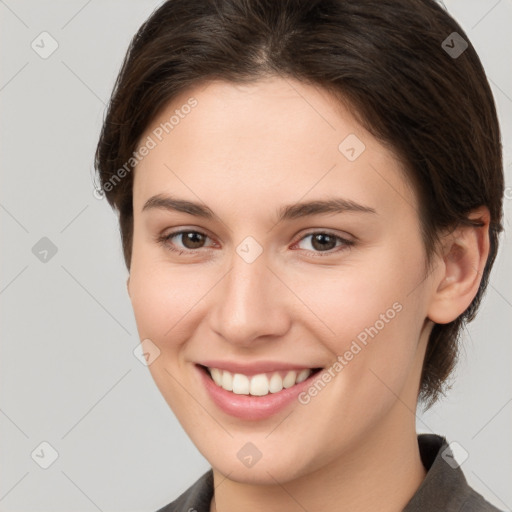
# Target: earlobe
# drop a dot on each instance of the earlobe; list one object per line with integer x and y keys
{"x": 128, "y": 286}
{"x": 465, "y": 253}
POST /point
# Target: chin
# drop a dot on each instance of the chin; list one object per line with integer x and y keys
{"x": 240, "y": 461}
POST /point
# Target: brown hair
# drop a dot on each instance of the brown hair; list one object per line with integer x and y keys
{"x": 389, "y": 59}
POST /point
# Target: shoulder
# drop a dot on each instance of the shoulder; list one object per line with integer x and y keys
{"x": 476, "y": 503}
{"x": 445, "y": 486}
{"x": 196, "y": 498}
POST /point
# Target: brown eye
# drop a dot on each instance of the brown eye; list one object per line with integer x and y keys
{"x": 192, "y": 239}
{"x": 184, "y": 241}
{"x": 323, "y": 242}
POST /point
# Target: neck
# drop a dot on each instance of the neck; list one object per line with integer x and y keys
{"x": 381, "y": 473}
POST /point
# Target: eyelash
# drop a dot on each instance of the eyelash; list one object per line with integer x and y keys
{"x": 164, "y": 241}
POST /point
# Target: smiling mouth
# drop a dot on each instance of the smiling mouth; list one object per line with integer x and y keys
{"x": 258, "y": 385}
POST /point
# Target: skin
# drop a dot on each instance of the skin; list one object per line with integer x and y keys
{"x": 245, "y": 151}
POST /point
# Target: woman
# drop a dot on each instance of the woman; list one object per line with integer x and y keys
{"x": 310, "y": 198}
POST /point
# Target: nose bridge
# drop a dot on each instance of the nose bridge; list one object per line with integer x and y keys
{"x": 248, "y": 304}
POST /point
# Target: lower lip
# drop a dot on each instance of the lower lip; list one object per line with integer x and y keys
{"x": 249, "y": 407}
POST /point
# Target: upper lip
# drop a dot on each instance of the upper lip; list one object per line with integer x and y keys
{"x": 256, "y": 367}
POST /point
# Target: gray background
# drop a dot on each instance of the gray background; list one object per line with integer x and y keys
{"x": 68, "y": 375}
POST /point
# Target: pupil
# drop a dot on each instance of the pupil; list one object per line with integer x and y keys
{"x": 195, "y": 239}
{"x": 320, "y": 239}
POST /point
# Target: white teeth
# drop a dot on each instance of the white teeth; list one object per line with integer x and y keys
{"x": 303, "y": 375}
{"x": 227, "y": 381}
{"x": 240, "y": 384}
{"x": 289, "y": 380}
{"x": 257, "y": 385}
{"x": 216, "y": 376}
{"x": 276, "y": 383}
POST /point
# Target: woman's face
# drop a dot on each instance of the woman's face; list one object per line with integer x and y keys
{"x": 263, "y": 284}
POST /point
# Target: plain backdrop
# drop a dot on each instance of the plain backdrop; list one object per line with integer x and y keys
{"x": 68, "y": 375}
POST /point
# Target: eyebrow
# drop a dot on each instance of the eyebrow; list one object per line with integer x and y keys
{"x": 287, "y": 212}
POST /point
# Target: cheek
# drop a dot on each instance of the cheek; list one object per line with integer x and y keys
{"x": 371, "y": 315}
{"x": 372, "y": 332}
{"x": 164, "y": 299}
{"x": 163, "y": 295}
{"x": 359, "y": 297}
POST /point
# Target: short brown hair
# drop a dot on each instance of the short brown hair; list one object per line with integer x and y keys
{"x": 389, "y": 59}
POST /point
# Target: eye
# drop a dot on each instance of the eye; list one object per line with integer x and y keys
{"x": 190, "y": 241}
{"x": 324, "y": 242}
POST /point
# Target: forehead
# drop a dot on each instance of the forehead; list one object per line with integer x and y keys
{"x": 274, "y": 139}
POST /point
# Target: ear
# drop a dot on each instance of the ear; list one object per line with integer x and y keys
{"x": 464, "y": 255}
{"x": 128, "y": 286}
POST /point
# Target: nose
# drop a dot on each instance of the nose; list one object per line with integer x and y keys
{"x": 250, "y": 303}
